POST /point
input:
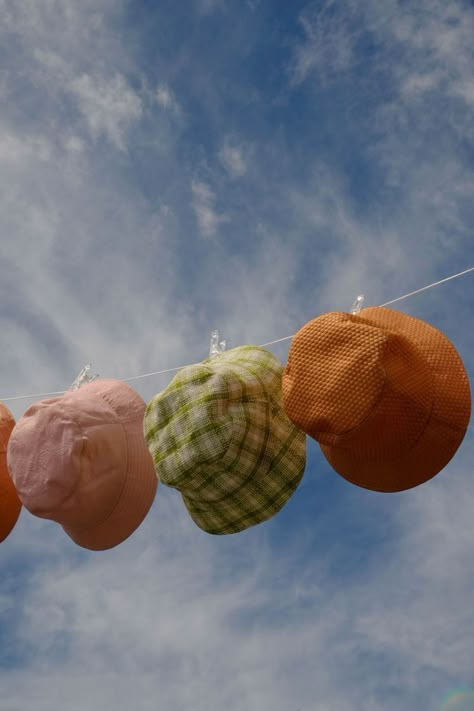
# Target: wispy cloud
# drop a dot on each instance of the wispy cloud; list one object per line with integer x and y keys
{"x": 140, "y": 615}
{"x": 328, "y": 47}
{"x": 166, "y": 99}
{"x": 109, "y": 106}
{"x": 361, "y": 181}
{"x": 233, "y": 158}
{"x": 206, "y": 7}
{"x": 204, "y": 201}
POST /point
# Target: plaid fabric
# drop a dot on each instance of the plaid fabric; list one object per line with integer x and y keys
{"x": 218, "y": 433}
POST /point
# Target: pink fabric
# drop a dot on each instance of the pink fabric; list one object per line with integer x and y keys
{"x": 81, "y": 460}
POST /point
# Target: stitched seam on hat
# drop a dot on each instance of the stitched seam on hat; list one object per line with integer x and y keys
{"x": 256, "y": 373}
{"x": 359, "y": 424}
{"x": 70, "y": 494}
{"x": 83, "y": 529}
{"x": 431, "y": 417}
{"x": 122, "y": 423}
{"x": 255, "y": 515}
{"x": 415, "y": 442}
{"x": 159, "y": 458}
{"x": 227, "y": 372}
{"x": 422, "y": 433}
{"x": 379, "y": 399}
{"x": 230, "y": 466}
{"x": 182, "y": 409}
{"x": 95, "y": 525}
{"x": 105, "y": 398}
{"x": 256, "y": 367}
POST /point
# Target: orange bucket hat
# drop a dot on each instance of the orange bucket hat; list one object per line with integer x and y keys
{"x": 385, "y": 394}
{"x": 81, "y": 460}
{"x": 10, "y": 504}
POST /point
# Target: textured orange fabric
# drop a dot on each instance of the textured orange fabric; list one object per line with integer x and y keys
{"x": 385, "y": 394}
{"x": 10, "y": 504}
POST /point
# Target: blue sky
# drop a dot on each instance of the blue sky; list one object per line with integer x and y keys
{"x": 169, "y": 168}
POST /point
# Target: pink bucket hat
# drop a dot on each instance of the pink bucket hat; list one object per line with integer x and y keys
{"x": 81, "y": 460}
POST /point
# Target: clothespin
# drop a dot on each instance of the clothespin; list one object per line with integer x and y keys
{"x": 217, "y": 347}
{"x": 83, "y": 378}
{"x": 358, "y": 303}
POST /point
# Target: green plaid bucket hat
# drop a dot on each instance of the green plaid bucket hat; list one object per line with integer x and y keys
{"x": 218, "y": 433}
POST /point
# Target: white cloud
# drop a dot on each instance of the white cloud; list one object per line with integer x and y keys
{"x": 13, "y": 150}
{"x": 420, "y": 83}
{"x": 233, "y": 159}
{"x": 464, "y": 88}
{"x": 168, "y": 604}
{"x": 347, "y": 600}
{"x": 436, "y": 47}
{"x": 206, "y": 7}
{"x": 73, "y": 144}
{"x": 204, "y": 199}
{"x": 432, "y": 42}
{"x": 328, "y": 46}
{"x": 253, "y": 4}
{"x": 410, "y": 628}
{"x": 166, "y": 99}
{"x": 110, "y": 106}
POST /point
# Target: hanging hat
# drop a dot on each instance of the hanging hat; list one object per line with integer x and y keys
{"x": 218, "y": 434}
{"x": 385, "y": 394}
{"x": 10, "y": 504}
{"x": 81, "y": 460}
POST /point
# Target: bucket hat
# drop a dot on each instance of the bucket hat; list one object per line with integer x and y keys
{"x": 10, "y": 504}
{"x": 81, "y": 460}
{"x": 218, "y": 433}
{"x": 386, "y": 396}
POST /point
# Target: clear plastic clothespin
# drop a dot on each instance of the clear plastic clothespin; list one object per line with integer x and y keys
{"x": 358, "y": 304}
{"x": 217, "y": 347}
{"x": 83, "y": 378}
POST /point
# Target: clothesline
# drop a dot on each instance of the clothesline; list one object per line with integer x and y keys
{"x": 269, "y": 343}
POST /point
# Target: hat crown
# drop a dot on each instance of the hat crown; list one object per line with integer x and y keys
{"x": 219, "y": 435}
{"x": 200, "y": 415}
{"x": 190, "y": 403}
{"x": 210, "y": 398}
{"x": 68, "y": 457}
{"x": 400, "y": 380}
{"x": 340, "y": 361}
{"x": 373, "y": 390}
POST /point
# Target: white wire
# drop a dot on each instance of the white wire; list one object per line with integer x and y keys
{"x": 156, "y": 372}
{"x": 423, "y": 288}
{"x": 399, "y": 298}
{"x": 269, "y": 343}
{"x": 24, "y": 397}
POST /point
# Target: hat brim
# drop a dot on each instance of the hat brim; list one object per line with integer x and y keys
{"x": 264, "y": 493}
{"x": 447, "y": 424}
{"x": 140, "y": 484}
